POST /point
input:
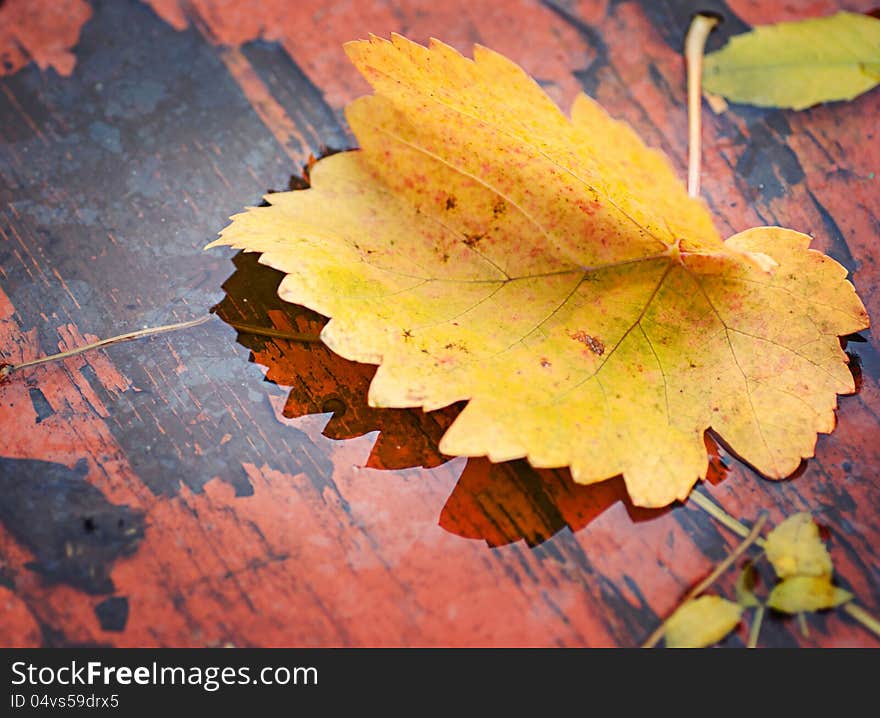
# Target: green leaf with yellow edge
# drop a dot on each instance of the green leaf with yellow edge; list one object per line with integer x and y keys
{"x": 794, "y": 548}
{"x": 553, "y": 273}
{"x": 798, "y": 64}
{"x": 797, "y": 594}
{"x": 701, "y": 622}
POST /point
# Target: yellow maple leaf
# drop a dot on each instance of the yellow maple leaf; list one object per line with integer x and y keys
{"x": 553, "y": 272}
{"x": 795, "y": 548}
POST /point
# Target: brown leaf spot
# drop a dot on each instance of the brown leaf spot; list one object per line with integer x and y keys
{"x": 471, "y": 240}
{"x": 450, "y": 203}
{"x": 593, "y": 343}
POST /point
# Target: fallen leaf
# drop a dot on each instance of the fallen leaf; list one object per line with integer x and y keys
{"x": 794, "y": 548}
{"x": 701, "y": 622}
{"x": 554, "y": 273}
{"x": 798, "y": 64}
{"x": 797, "y": 594}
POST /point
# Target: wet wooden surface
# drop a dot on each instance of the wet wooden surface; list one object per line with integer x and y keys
{"x": 205, "y": 488}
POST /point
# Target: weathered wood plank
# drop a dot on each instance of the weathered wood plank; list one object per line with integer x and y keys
{"x": 248, "y": 515}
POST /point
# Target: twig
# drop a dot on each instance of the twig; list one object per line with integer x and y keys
{"x": 863, "y": 617}
{"x": 7, "y": 369}
{"x": 719, "y": 514}
{"x": 694, "y": 44}
{"x": 731, "y": 558}
{"x": 711, "y": 578}
{"x": 855, "y": 611}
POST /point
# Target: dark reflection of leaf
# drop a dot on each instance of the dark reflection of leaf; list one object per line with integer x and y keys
{"x": 321, "y": 381}
{"x": 503, "y": 503}
{"x": 499, "y": 503}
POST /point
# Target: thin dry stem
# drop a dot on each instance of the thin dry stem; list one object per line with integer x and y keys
{"x": 863, "y": 617}
{"x": 755, "y": 628}
{"x": 9, "y": 368}
{"x": 712, "y": 577}
{"x": 694, "y": 44}
{"x": 719, "y": 514}
{"x": 856, "y": 612}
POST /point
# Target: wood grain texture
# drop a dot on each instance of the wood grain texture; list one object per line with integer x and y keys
{"x": 206, "y": 488}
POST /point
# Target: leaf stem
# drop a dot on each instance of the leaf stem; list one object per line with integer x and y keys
{"x": 802, "y": 625}
{"x": 694, "y": 44}
{"x": 855, "y": 611}
{"x": 755, "y": 628}
{"x": 712, "y": 577}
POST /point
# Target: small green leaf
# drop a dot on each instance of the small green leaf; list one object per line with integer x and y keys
{"x": 701, "y": 622}
{"x": 798, "y": 64}
{"x": 806, "y": 593}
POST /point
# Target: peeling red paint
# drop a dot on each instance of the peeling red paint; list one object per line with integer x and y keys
{"x": 42, "y": 31}
{"x": 18, "y": 629}
{"x": 338, "y": 552}
{"x": 523, "y": 30}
